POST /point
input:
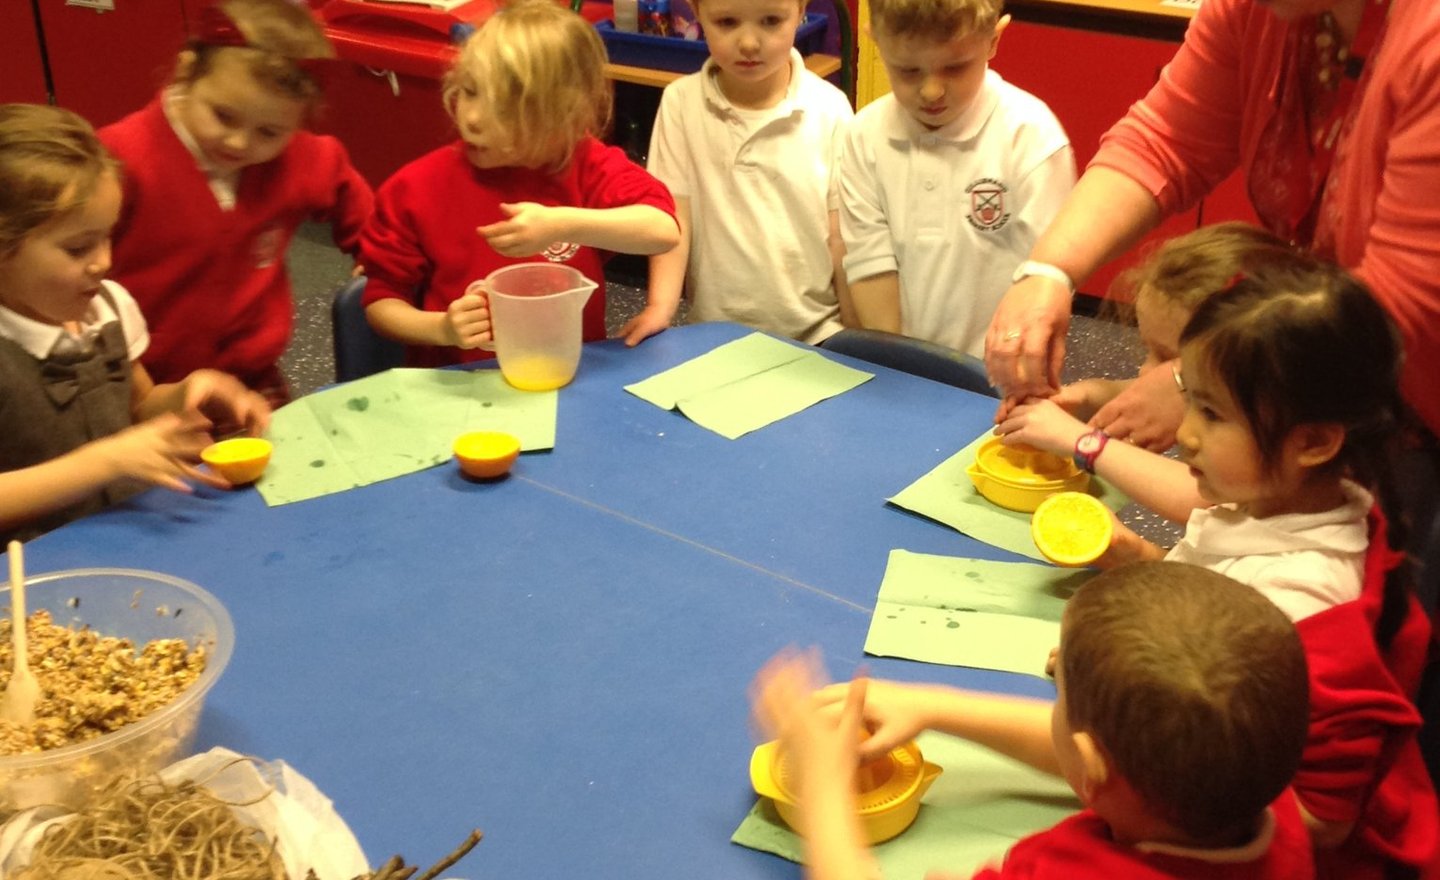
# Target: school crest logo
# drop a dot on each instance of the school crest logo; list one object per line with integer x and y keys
{"x": 560, "y": 251}
{"x": 988, "y": 208}
{"x": 266, "y": 247}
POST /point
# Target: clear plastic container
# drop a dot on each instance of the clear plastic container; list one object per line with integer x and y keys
{"x": 536, "y": 311}
{"x": 140, "y": 606}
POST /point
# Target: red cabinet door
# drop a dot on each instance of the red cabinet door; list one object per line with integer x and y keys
{"x": 104, "y": 64}
{"x": 22, "y": 72}
{"x": 1089, "y": 79}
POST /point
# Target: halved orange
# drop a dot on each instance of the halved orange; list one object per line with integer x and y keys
{"x": 1072, "y": 528}
{"x": 486, "y": 454}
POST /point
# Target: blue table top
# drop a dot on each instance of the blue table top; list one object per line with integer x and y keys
{"x": 560, "y": 657}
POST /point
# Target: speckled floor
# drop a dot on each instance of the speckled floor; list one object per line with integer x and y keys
{"x": 1096, "y": 347}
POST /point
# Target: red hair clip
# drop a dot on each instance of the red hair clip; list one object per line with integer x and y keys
{"x": 218, "y": 29}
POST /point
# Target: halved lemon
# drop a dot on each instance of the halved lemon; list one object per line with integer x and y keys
{"x": 1072, "y": 528}
{"x": 486, "y": 454}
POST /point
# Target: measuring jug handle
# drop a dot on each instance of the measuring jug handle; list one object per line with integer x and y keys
{"x": 477, "y": 288}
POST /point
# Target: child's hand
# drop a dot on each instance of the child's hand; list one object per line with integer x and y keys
{"x": 530, "y": 229}
{"x": 1042, "y": 424}
{"x": 822, "y": 741}
{"x": 650, "y": 321}
{"x": 226, "y": 403}
{"x": 895, "y": 713}
{"x": 162, "y": 451}
{"x": 1081, "y": 399}
{"x": 467, "y": 322}
{"x": 1126, "y": 546}
{"x": 1148, "y": 412}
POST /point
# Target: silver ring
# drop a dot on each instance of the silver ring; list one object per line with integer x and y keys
{"x": 1013, "y": 334}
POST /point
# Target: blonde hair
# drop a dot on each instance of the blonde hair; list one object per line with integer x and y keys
{"x": 937, "y": 19}
{"x": 1186, "y": 269}
{"x": 539, "y": 71}
{"x": 50, "y": 162}
{"x": 278, "y": 36}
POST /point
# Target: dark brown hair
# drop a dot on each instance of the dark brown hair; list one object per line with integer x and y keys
{"x": 1304, "y": 342}
{"x": 1196, "y": 687}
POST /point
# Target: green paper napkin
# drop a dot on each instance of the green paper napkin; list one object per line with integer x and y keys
{"x": 971, "y": 815}
{"x": 746, "y": 384}
{"x": 393, "y": 423}
{"x": 970, "y": 612}
{"x": 946, "y": 494}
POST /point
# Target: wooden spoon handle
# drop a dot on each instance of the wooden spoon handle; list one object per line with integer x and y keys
{"x": 17, "y": 605}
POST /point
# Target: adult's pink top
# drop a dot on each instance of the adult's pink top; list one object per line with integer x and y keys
{"x": 1381, "y": 214}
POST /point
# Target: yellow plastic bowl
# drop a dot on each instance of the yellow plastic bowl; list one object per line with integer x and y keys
{"x": 1020, "y": 477}
{"x": 1072, "y": 528}
{"x": 240, "y": 460}
{"x": 486, "y": 454}
{"x": 888, "y": 788}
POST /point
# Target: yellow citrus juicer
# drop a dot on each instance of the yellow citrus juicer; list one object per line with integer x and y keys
{"x": 888, "y": 788}
{"x": 1020, "y": 477}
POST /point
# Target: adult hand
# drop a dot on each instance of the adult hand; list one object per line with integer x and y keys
{"x": 1148, "y": 412}
{"x": 467, "y": 322}
{"x": 162, "y": 451}
{"x": 224, "y": 401}
{"x": 1025, "y": 345}
{"x": 649, "y": 322}
{"x": 528, "y": 231}
{"x": 1043, "y": 425}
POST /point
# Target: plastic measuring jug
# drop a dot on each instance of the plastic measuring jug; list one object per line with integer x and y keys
{"x": 535, "y": 311}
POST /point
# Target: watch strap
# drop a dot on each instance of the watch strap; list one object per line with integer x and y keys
{"x": 1044, "y": 270}
{"x": 1088, "y": 448}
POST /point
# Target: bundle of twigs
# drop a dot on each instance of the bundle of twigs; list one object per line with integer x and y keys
{"x": 147, "y": 829}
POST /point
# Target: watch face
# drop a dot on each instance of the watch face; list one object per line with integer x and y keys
{"x": 1088, "y": 444}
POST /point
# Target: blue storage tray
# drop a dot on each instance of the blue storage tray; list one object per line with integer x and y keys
{"x": 687, "y": 56}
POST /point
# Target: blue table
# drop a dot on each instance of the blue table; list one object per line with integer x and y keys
{"x": 561, "y": 657}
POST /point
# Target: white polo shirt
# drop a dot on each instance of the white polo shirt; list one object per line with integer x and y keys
{"x": 1303, "y": 562}
{"x": 761, "y": 187}
{"x": 954, "y": 210}
{"x": 39, "y": 338}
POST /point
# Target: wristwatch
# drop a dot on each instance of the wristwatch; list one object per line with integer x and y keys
{"x": 1088, "y": 448}
{"x": 1044, "y": 270}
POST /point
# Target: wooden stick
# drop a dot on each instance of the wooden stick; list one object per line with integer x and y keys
{"x": 460, "y": 852}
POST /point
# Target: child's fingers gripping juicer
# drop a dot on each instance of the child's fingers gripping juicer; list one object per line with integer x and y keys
{"x": 888, "y": 789}
{"x": 1020, "y": 477}
{"x": 535, "y": 312}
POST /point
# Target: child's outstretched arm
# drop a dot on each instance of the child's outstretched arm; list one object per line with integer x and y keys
{"x": 1083, "y": 399}
{"x": 1162, "y": 484}
{"x": 530, "y": 228}
{"x": 667, "y": 283}
{"x": 822, "y": 744}
{"x": 162, "y": 451}
{"x": 897, "y": 712}
{"x": 219, "y": 397}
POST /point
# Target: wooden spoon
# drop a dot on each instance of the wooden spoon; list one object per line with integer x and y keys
{"x": 23, "y": 692}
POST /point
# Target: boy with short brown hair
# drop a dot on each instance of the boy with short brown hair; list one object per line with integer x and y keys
{"x": 1180, "y": 717}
